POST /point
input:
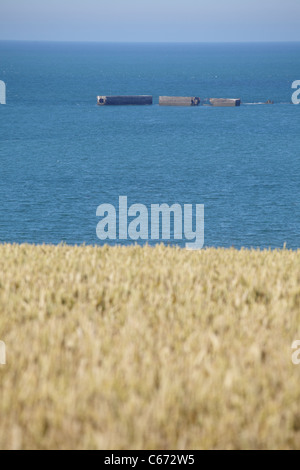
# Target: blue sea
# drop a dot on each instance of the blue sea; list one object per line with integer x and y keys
{"x": 61, "y": 155}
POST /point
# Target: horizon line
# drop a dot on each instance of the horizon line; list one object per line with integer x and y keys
{"x": 71, "y": 41}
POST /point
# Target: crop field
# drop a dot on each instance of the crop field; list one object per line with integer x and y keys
{"x": 149, "y": 348}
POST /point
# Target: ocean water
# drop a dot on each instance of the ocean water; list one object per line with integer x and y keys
{"x": 61, "y": 155}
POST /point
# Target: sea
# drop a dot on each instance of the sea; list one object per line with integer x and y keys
{"x": 61, "y": 155}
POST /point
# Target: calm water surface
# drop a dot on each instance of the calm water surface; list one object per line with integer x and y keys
{"x": 61, "y": 156}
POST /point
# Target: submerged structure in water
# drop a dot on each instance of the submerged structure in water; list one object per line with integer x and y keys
{"x": 135, "y": 100}
{"x": 225, "y": 102}
{"x": 179, "y": 101}
{"x": 143, "y": 100}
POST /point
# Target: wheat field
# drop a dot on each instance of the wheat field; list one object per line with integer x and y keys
{"x": 149, "y": 348}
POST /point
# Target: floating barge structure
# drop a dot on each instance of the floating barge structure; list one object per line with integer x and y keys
{"x": 141, "y": 100}
{"x": 224, "y": 103}
{"x": 146, "y": 100}
{"x": 179, "y": 101}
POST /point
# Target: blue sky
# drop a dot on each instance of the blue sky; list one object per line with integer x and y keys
{"x": 150, "y": 20}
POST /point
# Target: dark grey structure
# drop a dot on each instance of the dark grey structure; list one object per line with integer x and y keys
{"x": 141, "y": 100}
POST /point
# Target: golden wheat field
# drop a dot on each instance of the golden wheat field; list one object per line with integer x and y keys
{"x": 149, "y": 348}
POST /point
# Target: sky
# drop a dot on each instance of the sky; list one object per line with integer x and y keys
{"x": 150, "y": 20}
